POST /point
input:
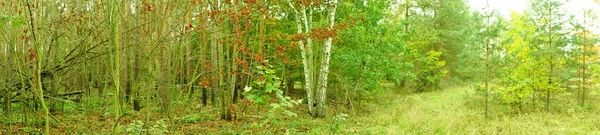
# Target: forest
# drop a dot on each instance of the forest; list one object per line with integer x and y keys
{"x": 299, "y": 67}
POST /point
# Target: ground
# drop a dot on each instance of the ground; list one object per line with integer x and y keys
{"x": 455, "y": 110}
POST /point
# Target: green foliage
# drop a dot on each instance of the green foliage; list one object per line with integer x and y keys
{"x": 262, "y": 91}
{"x": 521, "y": 71}
{"x": 195, "y": 118}
{"x": 482, "y": 47}
{"x": 435, "y": 38}
{"x": 9, "y": 120}
{"x": 138, "y": 127}
{"x": 337, "y": 123}
{"x": 534, "y": 53}
{"x": 15, "y": 20}
{"x": 32, "y": 131}
{"x": 432, "y": 70}
{"x": 368, "y": 51}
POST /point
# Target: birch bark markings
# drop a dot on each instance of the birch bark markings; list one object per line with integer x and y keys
{"x": 304, "y": 49}
{"x": 315, "y": 77}
{"x": 325, "y": 64}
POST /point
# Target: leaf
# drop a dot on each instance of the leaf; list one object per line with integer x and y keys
{"x": 290, "y": 113}
{"x": 247, "y": 89}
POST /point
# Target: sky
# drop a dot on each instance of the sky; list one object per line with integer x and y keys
{"x": 505, "y": 7}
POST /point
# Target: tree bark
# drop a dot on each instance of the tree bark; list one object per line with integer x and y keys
{"x": 165, "y": 89}
{"x": 114, "y": 18}
{"x": 548, "y": 91}
{"x": 306, "y": 53}
{"x": 322, "y": 94}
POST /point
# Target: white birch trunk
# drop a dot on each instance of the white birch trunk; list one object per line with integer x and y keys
{"x": 322, "y": 93}
{"x": 305, "y": 62}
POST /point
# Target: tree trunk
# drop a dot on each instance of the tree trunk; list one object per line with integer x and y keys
{"x": 165, "y": 89}
{"x": 204, "y": 64}
{"x": 190, "y": 57}
{"x": 305, "y": 52}
{"x": 114, "y": 19}
{"x": 6, "y": 57}
{"x": 584, "y": 75}
{"x": 322, "y": 94}
{"x": 548, "y": 91}
{"x": 38, "y": 53}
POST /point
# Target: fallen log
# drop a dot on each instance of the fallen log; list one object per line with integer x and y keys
{"x": 66, "y": 94}
{"x": 55, "y": 97}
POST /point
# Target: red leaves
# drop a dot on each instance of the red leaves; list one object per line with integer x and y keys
{"x": 180, "y": 89}
{"x": 261, "y": 79}
{"x": 322, "y": 33}
{"x": 180, "y": 73}
{"x": 246, "y": 11}
{"x": 341, "y": 26}
{"x": 298, "y": 37}
{"x": 32, "y": 57}
{"x": 259, "y": 57}
{"x": 309, "y": 3}
{"x": 234, "y": 18}
{"x": 248, "y": 102}
{"x": 237, "y": 41}
{"x": 362, "y": 17}
{"x": 204, "y": 83}
{"x": 295, "y": 63}
{"x": 232, "y": 108}
{"x": 208, "y": 66}
{"x": 214, "y": 14}
{"x": 188, "y": 27}
{"x": 281, "y": 50}
{"x": 250, "y": 1}
{"x": 285, "y": 60}
{"x": 196, "y": 2}
{"x": 149, "y": 7}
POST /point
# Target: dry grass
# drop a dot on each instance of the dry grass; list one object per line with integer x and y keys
{"x": 458, "y": 111}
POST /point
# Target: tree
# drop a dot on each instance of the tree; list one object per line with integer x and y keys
{"x": 36, "y": 56}
{"x": 520, "y": 73}
{"x": 550, "y": 38}
{"x": 435, "y": 38}
{"x": 114, "y": 19}
{"x": 490, "y": 34}
{"x": 332, "y": 6}
{"x": 363, "y": 60}
{"x": 306, "y": 49}
{"x": 584, "y": 40}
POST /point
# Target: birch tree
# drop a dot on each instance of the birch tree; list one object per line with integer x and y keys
{"x": 305, "y": 49}
{"x": 315, "y": 77}
{"x": 321, "y": 96}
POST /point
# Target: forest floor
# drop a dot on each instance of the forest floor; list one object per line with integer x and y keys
{"x": 456, "y": 110}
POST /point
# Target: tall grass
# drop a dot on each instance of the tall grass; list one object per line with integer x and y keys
{"x": 459, "y": 110}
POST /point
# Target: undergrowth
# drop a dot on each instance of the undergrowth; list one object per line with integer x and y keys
{"x": 456, "y": 110}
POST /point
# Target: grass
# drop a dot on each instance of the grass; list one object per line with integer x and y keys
{"x": 459, "y": 110}
{"x": 456, "y": 110}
